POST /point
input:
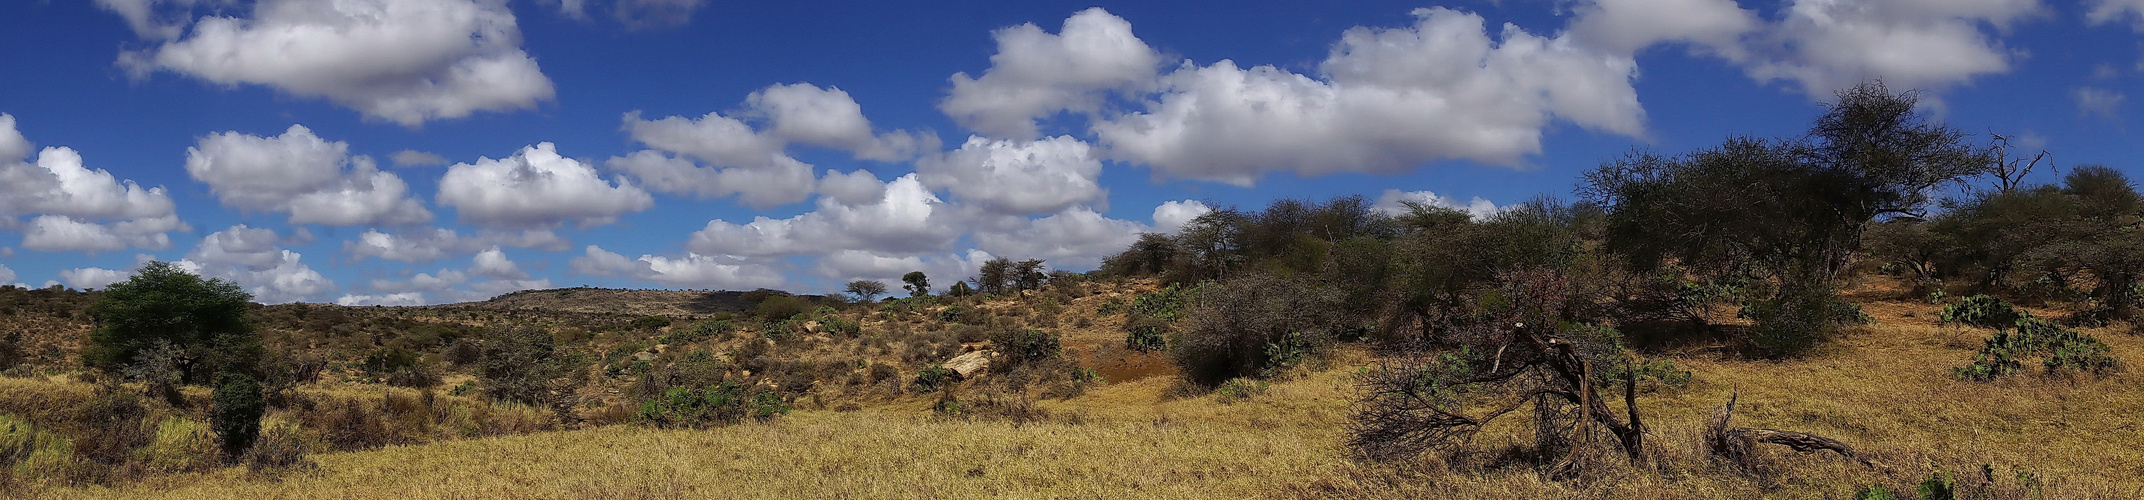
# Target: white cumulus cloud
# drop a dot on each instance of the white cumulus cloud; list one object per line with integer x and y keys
{"x": 1825, "y": 45}
{"x": 907, "y": 219}
{"x": 1387, "y": 101}
{"x": 77, "y": 208}
{"x": 537, "y": 188}
{"x": 1010, "y": 177}
{"x": 312, "y": 179}
{"x": 1035, "y": 74}
{"x": 406, "y": 61}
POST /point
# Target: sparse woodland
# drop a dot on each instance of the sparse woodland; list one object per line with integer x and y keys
{"x": 1878, "y": 308}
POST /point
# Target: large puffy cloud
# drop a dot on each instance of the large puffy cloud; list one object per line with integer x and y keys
{"x": 253, "y": 257}
{"x": 70, "y": 199}
{"x": 1826, "y": 45}
{"x": 1170, "y": 216}
{"x": 312, "y": 179}
{"x": 907, "y": 219}
{"x": 735, "y": 158}
{"x": 537, "y": 188}
{"x": 1011, "y": 177}
{"x": 781, "y": 181}
{"x": 6, "y": 275}
{"x": 1077, "y": 237}
{"x": 690, "y": 270}
{"x": 408, "y": 61}
{"x": 493, "y": 263}
{"x": 434, "y": 243}
{"x": 1036, "y": 74}
{"x": 1389, "y": 100}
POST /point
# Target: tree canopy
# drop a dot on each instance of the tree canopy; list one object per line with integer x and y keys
{"x": 164, "y": 304}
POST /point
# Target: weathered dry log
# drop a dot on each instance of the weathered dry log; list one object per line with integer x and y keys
{"x": 1736, "y": 443}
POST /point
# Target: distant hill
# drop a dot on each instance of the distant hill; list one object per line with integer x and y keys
{"x": 673, "y": 303}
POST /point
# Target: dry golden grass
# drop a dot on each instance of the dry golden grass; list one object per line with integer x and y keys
{"x": 1887, "y": 389}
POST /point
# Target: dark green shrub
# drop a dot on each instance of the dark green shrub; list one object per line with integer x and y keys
{"x": 702, "y": 331}
{"x": 163, "y": 303}
{"x": 953, "y": 314}
{"x": 1980, "y": 311}
{"x": 1791, "y": 322}
{"x": 1252, "y": 324}
{"x": 781, "y": 307}
{"x": 650, "y": 322}
{"x": 722, "y": 404}
{"x": 2062, "y": 349}
{"x": 237, "y": 410}
{"x": 519, "y": 363}
{"x": 1146, "y": 334}
{"x": 932, "y": 378}
{"x": 839, "y": 326}
{"x": 1022, "y": 346}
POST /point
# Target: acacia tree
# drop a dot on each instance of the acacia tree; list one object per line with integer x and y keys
{"x": 917, "y": 285}
{"x": 865, "y": 290}
{"x": 1783, "y": 219}
{"x": 202, "y": 321}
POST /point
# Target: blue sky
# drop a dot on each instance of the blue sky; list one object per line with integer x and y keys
{"x": 429, "y": 151}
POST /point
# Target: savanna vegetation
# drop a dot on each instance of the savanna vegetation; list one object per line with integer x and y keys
{"x": 1882, "y": 307}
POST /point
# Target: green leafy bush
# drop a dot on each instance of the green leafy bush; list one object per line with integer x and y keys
{"x": 1791, "y": 322}
{"x": 1146, "y": 335}
{"x": 650, "y": 322}
{"x": 722, "y": 404}
{"x": 1252, "y": 325}
{"x": 702, "y": 331}
{"x": 932, "y": 378}
{"x": 2062, "y": 349}
{"x": 1239, "y": 389}
{"x": 1023, "y": 346}
{"x": 1980, "y": 311}
{"x": 237, "y": 410}
{"x": 839, "y": 326}
{"x": 163, "y": 303}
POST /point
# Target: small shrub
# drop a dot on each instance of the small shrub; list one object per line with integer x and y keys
{"x": 236, "y": 413}
{"x": 702, "y": 331}
{"x": 1146, "y": 334}
{"x": 780, "y": 307}
{"x": 1023, "y": 346}
{"x": 933, "y": 378}
{"x": 721, "y": 404}
{"x": 281, "y": 447}
{"x": 1980, "y": 311}
{"x": 650, "y": 322}
{"x": 1239, "y": 389}
{"x": 2063, "y": 350}
{"x": 1794, "y": 321}
{"x": 181, "y": 445}
{"x": 953, "y": 314}
{"x": 839, "y": 326}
